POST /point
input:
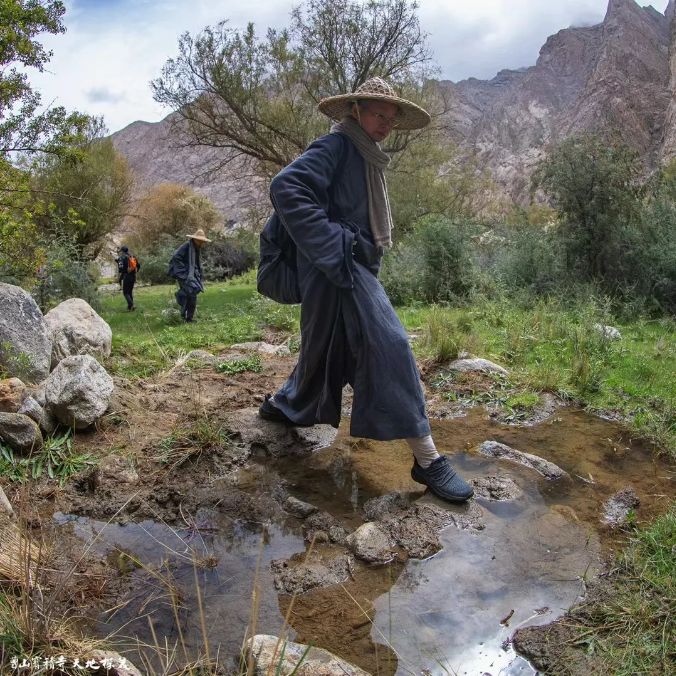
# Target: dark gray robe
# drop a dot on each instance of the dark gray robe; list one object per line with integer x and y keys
{"x": 349, "y": 331}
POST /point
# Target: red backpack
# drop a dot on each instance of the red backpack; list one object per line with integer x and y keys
{"x": 132, "y": 264}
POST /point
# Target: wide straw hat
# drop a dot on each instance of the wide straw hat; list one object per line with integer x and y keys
{"x": 410, "y": 116}
{"x": 199, "y": 235}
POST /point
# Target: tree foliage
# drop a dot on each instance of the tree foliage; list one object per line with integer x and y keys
{"x": 256, "y": 97}
{"x": 171, "y": 211}
{"x": 84, "y": 195}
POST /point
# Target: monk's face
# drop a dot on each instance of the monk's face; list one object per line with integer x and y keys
{"x": 198, "y": 243}
{"x": 377, "y": 118}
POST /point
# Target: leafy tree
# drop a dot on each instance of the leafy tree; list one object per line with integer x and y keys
{"x": 257, "y": 97}
{"x": 595, "y": 184}
{"x": 171, "y": 211}
{"x": 83, "y": 195}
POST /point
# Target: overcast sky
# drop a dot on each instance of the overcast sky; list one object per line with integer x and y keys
{"x": 113, "y": 48}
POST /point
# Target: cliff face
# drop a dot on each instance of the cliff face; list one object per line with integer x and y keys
{"x": 614, "y": 75}
{"x": 618, "y": 75}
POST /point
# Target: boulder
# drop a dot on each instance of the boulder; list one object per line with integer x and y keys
{"x": 12, "y": 395}
{"x": 20, "y": 433}
{"x": 78, "y": 391}
{"x": 370, "y": 544}
{"x": 45, "y": 420}
{"x": 263, "y": 348}
{"x": 25, "y": 343}
{"x": 548, "y": 469}
{"x": 608, "y": 332}
{"x": 476, "y": 364}
{"x": 76, "y": 328}
{"x": 297, "y": 659}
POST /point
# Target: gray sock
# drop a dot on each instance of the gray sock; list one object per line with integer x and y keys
{"x": 424, "y": 450}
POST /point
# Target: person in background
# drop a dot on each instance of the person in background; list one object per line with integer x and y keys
{"x": 128, "y": 266}
{"x": 186, "y": 268}
{"x": 333, "y": 202}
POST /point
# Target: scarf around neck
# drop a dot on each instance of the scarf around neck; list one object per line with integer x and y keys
{"x": 375, "y": 160}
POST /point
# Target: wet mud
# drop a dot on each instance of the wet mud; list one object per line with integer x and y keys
{"x": 449, "y": 600}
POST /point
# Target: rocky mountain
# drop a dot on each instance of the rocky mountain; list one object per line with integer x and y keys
{"x": 619, "y": 74}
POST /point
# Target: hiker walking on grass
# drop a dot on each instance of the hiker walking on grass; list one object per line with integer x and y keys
{"x": 185, "y": 267}
{"x": 128, "y": 266}
{"x": 333, "y": 203}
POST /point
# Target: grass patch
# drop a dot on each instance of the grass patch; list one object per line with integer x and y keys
{"x": 240, "y": 365}
{"x": 634, "y": 630}
{"x": 145, "y": 342}
{"x": 56, "y": 459}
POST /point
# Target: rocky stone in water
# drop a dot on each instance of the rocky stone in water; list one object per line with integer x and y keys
{"x": 298, "y": 508}
{"x": 378, "y": 508}
{"x": 323, "y": 527}
{"x": 608, "y": 332}
{"x": 20, "y": 433}
{"x": 25, "y": 343}
{"x": 278, "y": 439}
{"x": 496, "y": 488}
{"x": 115, "y": 468}
{"x": 76, "y": 328}
{"x": 370, "y": 544}
{"x": 12, "y": 394}
{"x": 619, "y": 506}
{"x": 305, "y": 576}
{"x": 267, "y": 658}
{"x": 263, "y": 348}
{"x": 548, "y": 469}
{"x": 78, "y": 391}
{"x": 476, "y": 364}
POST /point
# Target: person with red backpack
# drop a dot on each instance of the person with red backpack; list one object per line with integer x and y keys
{"x": 128, "y": 266}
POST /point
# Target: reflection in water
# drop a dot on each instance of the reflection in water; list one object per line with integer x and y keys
{"x": 448, "y": 614}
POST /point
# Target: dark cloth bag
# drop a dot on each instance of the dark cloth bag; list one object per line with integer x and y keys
{"x": 277, "y": 271}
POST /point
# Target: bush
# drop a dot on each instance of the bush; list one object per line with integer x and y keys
{"x": 224, "y": 258}
{"x": 436, "y": 263}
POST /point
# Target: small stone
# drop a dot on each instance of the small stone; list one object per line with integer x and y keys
{"x": 299, "y": 508}
{"x": 608, "y": 332}
{"x": 620, "y": 505}
{"x": 370, "y": 544}
{"x": 117, "y": 469}
{"x": 548, "y": 469}
{"x": 263, "y": 348}
{"x": 20, "y": 433}
{"x": 12, "y": 395}
{"x": 496, "y": 488}
{"x": 305, "y": 576}
{"x": 378, "y": 508}
{"x": 476, "y": 364}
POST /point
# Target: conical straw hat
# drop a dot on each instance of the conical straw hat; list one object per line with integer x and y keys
{"x": 410, "y": 116}
{"x": 199, "y": 234}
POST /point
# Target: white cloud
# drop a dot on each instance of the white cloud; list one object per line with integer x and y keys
{"x": 113, "y": 48}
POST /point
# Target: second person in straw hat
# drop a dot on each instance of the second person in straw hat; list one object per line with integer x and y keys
{"x": 186, "y": 268}
{"x": 333, "y": 202}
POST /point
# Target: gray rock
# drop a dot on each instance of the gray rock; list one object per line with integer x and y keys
{"x": 119, "y": 665}
{"x": 38, "y": 393}
{"x": 305, "y": 576}
{"x": 608, "y": 332}
{"x": 20, "y": 433}
{"x": 476, "y": 364}
{"x": 78, "y": 391}
{"x": 263, "y": 348}
{"x": 619, "y": 506}
{"x": 496, "y": 488}
{"x": 45, "y": 420}
{"x": 548, "y": 469}
{"x": 278, "y": 439}
{"x": 378, "y": 508}
{"x": 298, "y": 508}
{"x": 116, "y": 469}
{"x": 76, "y": 328}
{"x": 25, "y": 343}
{"x": 370, "y": 544}
{"x": 267, "y": 659}
{"x": 12, "y": 394}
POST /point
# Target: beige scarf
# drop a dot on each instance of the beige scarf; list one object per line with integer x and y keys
{"x": 375, "y": 160}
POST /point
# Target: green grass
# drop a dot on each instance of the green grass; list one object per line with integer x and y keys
{"x": 145, "y": 342}
{"x": 240, "y": 365}
{"x": 633, "y": 630}
{"x": 557, "y": 349}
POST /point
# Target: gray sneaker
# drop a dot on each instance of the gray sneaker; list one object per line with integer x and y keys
{"x": 442, "y": 480}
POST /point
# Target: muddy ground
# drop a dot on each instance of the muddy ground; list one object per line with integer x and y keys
{"x": 156, "y": 463}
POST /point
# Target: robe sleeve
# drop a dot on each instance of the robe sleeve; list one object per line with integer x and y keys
{"x": 178, "y": 266}
{"x": 300, "y": 196}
